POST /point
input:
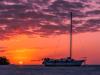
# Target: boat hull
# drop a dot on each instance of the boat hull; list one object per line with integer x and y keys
{"x": 63, "y": 62}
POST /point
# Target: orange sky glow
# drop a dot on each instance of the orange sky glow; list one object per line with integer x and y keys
{"x": 23, "y": 49}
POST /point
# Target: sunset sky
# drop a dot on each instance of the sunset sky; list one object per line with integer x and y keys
{"x": 31, "y": 30}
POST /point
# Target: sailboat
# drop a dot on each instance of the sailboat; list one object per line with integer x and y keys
{"x": 69, "y": 61}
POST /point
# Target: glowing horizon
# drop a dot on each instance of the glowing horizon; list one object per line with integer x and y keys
{"x": 37, "y": 48}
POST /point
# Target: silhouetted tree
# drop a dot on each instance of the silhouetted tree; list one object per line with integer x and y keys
{"x": 4, "y": 61}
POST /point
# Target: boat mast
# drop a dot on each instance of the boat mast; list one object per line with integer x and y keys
{"x": 70, "y": 34}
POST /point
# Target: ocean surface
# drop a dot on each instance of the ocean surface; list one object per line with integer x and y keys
{"x": 42, "y": 70}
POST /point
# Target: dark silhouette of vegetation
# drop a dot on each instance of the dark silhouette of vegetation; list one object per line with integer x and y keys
{"x": 4, "y": 61}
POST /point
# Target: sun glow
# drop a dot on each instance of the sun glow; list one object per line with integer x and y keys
{"x": 21, "y": 62}
{"x": 23, "y": 56}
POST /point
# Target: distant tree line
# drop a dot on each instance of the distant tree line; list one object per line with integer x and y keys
{"x": 4, "y": 61}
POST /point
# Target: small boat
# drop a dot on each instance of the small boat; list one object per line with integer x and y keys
{"x": 69, "y": 61}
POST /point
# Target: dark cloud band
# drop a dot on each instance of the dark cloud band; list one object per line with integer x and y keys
{"x": 47, "y": 17}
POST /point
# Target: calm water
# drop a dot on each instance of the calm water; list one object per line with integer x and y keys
{"x": 41, "y": 70}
